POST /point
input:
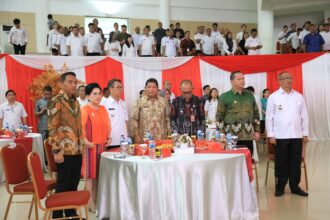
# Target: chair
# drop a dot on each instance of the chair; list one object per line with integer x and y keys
{"x": 17, "y": 176}
{"x": 58, "y": 201}
{"x": 52, "y": 169}
{"x": 271, "y": 157}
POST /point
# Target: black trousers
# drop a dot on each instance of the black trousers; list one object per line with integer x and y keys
{"x": 248, "y": 144}
{"x": 93, "y": 54}
{"x": 262, "y": 126}
{"x": 288, "y": 163}
{"x": 68, "y": 177}
{"x": 18, "y": 49}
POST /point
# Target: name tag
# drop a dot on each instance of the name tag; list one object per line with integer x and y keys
{"x": 8, "y": 109}
{"x": 111, "y": 109}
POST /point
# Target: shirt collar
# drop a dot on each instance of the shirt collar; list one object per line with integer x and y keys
{"x": 284, "y": 92}
{"x": 237, "y": 93}
{"x": 7, "y": 103}
{"x": 112, "y": 100}
{"x": 67, "y": 97}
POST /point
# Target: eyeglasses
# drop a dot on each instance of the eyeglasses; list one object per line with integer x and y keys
{"x": 286, "y": 78}
{"x": 186, "y": 93}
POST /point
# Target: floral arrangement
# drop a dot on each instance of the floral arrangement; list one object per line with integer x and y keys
{"x": 185, "y": 140}
{"x": 50, "y": 77}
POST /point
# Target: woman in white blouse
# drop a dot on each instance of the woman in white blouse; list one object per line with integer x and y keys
{"x": 112, "y": 46}
{"x": 210, "y": 108}
{"x": 129, "y": 49}
{"x": 229, "y": 45}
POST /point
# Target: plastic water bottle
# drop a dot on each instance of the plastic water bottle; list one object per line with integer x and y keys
{"x": 152, "y": 148}
{"x": 217, "y": 136}
{"x": 199, "y": 135}
{"x": 228, "y": 137}
{"x": 122, "y": 138}
{"x": 129, "y": 140}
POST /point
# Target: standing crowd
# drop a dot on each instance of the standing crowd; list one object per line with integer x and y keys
{"x": 171, "y": 42}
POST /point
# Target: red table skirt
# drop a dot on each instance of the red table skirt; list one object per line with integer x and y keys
{"x": 207, "y": 147}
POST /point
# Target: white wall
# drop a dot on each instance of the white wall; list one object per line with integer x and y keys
{"x": 206, "y": 10}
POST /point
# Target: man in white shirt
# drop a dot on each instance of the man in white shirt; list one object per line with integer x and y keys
{"x": 326, "y": 37}
{"x": 12, "y": 113}
{"x": 82, "y": 99}
{"x": 136, "y": 37}
{"x": 75, "y": 43}
{"x": 117, "y": 112}
{"x": 239, "y": 35}
{"x": 18, "y": 37}
{"x": 282, "y": 38}
{"x": 61, "y": 41}
{"x": 293, "y": 40}
{"x": 52, "y": 36}
{"x": 253, "y": 43}
{"x": 215, "y": 32}
{"x": 220, "y": 41}
{"x": 170, "y": 45}
{"x": 209, "y": 44}
{"x": 287, "y": 128}
{"x": 303, "y": 33}
{"x": 198, "y": 38}
{"x": 93, "y": 42}
{"x": 147, "y": 44}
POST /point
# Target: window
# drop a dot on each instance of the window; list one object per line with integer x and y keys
{"x": 106, "y": 24}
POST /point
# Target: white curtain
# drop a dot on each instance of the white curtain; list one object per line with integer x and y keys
{"x": 316, "y": 78}
{"x": 153, "y": 63}
{"x": 258, "y": 81}
{"x": 215, "y": 77}
{"x": 39, "y": 61}
{"x": 3, "y": 80}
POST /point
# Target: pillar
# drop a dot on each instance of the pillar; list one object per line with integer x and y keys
{"x": 266, "y": 29}
{"x": 41, "y": 30}
{"x": 164, "y": 13}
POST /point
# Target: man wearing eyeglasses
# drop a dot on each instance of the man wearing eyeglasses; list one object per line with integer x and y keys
{"x": 287, "y": 128}
{"x": 12, "y": 113}
{"x": 117, "y": 112}
{"x": 187, "y": 111}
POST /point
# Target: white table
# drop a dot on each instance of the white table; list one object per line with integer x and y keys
{"x": 199, "y": 186}
{"x": 37, "y": 146}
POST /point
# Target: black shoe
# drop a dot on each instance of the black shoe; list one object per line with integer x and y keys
{"x": 279, "y": 193}
{"x": 300, "y": 192}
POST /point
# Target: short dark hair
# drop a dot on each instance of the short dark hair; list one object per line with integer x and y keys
{"x": 254, "y": 30}
{"x": 141, "y": 91}
{"x": 124, "y": 26}
{"x": 186, "y": 32}
{"x": 81, "y": 86}
{"x": 90, "y": 87}
{"x": 47, "y": 89}
{"x": 243, "y": 25}
{"x": 151, "y": 80}
{"x": 171, "y": 25}
{"x": 233, "y": 74}
{"x": 206, "y": 86}
{"x": 215, "y": 24}
{"x": 50, "y": 16}
{"x": 64, "y": 75}
{"x": 105, "y": 89}
{"x": 250, "y": 88}
{"x": 10, "y": 91}
{"x": 75, "y": 27}
{"x": 285, "y": 26}
{"x": 299, "y": 29}
{"x": 16, "y": 21}
{"x": 111, "y": 83}
{"x": 177, "y": 23}
{"x": 91, "y": 24}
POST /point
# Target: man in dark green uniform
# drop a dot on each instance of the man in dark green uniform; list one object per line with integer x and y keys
{"x": 238, "y": 112}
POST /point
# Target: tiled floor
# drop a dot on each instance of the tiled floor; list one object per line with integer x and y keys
{"x": 288, "y": 207}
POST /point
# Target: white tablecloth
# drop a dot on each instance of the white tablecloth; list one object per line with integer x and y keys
{"x": 37, "y": 146}
{"x": 199, "y": 186}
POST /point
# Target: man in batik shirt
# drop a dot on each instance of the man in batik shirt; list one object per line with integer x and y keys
{"x": 238, "y": 112}
{"x": 65, "y": 137}
{"x": 187, "y": 112}
{"x": 151, "y": 113}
